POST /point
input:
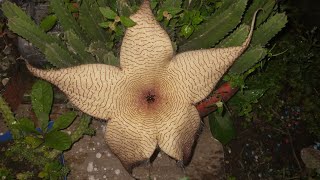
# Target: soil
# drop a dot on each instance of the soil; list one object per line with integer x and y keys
{"x": 265, "y": 152}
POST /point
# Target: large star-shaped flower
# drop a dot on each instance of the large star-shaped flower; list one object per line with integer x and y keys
{"x": 150, "y": 99}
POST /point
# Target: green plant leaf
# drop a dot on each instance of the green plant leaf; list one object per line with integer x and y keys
{"x": 269, "y": 29}
{"x": 173, "y": 7}
{"x": 105, "y": 24}
{"x": 48, "y": 22}
{"x": 127, "y": 22}
{"x": 82, "y": 128}
{"x": 153, "y": 4}
{"x": 26, "y": 125}
{"x": 41, "y": 99}
{"x": 33, "y": 141}
{"x": 248, "y": 59}
{"x": 8, "y": 118}
{"x": 252, "y": 95}
{"x": 59, "y": 56}
{"x": 89, "y": 18}
{"x": 66, "y": 19}
{"x": 64, "y": 121}
{"x": 173, "y": 10}
{"x": 102, "y": 55}
{"x": 248, "y": 96}
{"x": 43, "y": 175}
{"x": 78, "y": 47}
{"x": 43, "y": 118}
{"x": 236, "y": 38}
{"x": 11, "y": 10}
{"x": 221, "y": 127}
{"x": 72, "y": 7}
{"x": 266, "y": 5}
{"x": 216, "y": 27}
{"x": 124, "y": 8}
{"x": 31, "y": 32}
{"x": 107, "y": 12}
{"x": 58, "y": 140}
{"x": 187, "y": 30}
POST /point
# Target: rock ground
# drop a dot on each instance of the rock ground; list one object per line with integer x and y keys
{"x": 90, "y": 158}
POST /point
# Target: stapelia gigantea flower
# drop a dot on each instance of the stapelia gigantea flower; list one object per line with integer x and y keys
{"x": 150, "y": 99}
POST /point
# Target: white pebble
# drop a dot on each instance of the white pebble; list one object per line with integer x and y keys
{"x": 109, "y": 155}
{"x": 117, "y": 171}
{"x": 159, "y": 155}
{"x": 5, "y": 81}
{"x": 105, "y": 169}
{"x": 91, "y": 177}
{"x": 95, "y": 169}
{"x": 98, "y": 155}
{"x": 94, "y": 149}
{"x": 104, "y": 176}
{"x": 103, "y": 128}
{"x": 98, "y": 143}
{"x": 90, "y": 167}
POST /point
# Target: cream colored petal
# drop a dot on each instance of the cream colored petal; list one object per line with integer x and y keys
{"x": 92, "y": 87}
{"x": 132, "y": 141}
{"x": 146, "y": 46}
{"x": 177, "y": 131}
{"x": 197, "y": 72}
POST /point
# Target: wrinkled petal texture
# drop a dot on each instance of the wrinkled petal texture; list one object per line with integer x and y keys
{"x": 197, "y": 72}
{"x": 146, "y": 46}
{"x": 92, "y": 88}
{"x": 133, "y": 142}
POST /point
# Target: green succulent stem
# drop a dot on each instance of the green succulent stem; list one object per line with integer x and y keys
{"x": 9, "y": 118}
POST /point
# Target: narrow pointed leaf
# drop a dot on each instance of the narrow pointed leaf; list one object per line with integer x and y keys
{"x": 267, "y": 8}
{"x": 11, "y": 10}
{"x": 123, "y": 8}
{"x": 66, "y": 19}
{"x": 224, "y": 6}
{"x": 89, "y": 19}
{"x": 269, "y": 29}
{"x": 236, "y": 38}
{"x": 248, "y": 59}
{"x": 79, "y": 48}
{"x": 31, "y": 32}
{"x": 216, "y": 28}
{"x": 58, "y": 56}
{"x": 101, "y": 54}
